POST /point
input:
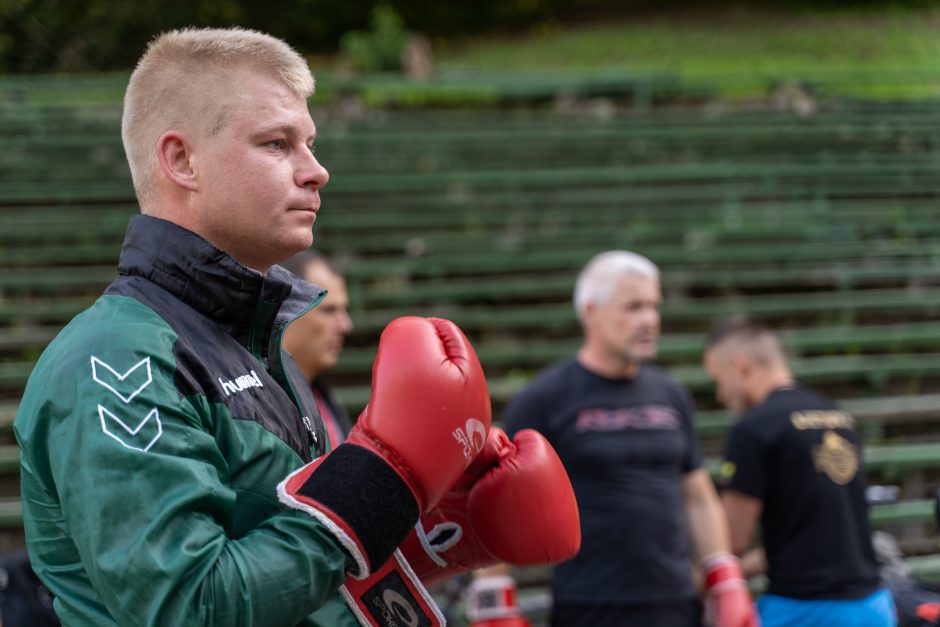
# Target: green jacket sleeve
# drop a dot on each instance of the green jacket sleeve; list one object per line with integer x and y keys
{"x": 144, "y": 489}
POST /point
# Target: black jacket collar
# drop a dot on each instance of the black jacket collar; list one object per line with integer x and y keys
{"x": 245, "y": 302}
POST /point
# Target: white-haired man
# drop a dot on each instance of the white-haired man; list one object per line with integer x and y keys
{"x": 624, "y": 431}
{"x": 173, "y": 468}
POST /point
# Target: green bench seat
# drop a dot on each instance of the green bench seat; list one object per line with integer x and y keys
{"x": 878, "y": 411}
{"x": 369, "y": 292}
{"x": 865, "y": 372}
{"x": 489, "y": 255}
{"x": 674, "y": 348}
{"x": 666, "y": 211}
{"x": 856, "y": 179}
{"x": 389, "y": 288}
{"x": 848, "y": 305}
{"x": 883, "y": 515}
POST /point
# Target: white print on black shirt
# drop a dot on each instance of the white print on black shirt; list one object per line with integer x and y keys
{"x": 642, "y": 417}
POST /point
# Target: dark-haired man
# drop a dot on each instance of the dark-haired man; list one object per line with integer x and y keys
{"x": 794, "y": 464}
{"x": 315, "y": 340}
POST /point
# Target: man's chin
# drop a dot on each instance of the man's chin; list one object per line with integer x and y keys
{"x": 301, "y": 238}
{"x": 329, "y": 363}
{"x": 645, "y": 355}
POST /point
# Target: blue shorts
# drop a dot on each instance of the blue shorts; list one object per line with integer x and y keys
{"x": 875, "y": 610}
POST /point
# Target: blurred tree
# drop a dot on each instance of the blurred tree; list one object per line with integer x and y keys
{"x": 87, "y": 35}
{"x": 59, "y": 35}
{"x": 381, "y": 47}
{"x": 69, "y": 36}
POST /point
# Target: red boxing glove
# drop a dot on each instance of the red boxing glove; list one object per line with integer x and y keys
{"x": 491, "y": 602}
{"x": 514, "y": 504}
{"x": 427, "y": 420}
{"x": 729, "y": 601}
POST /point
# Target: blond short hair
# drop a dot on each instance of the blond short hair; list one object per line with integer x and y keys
{"x": 184, "y": 81}
{"x": 598, "y": 278}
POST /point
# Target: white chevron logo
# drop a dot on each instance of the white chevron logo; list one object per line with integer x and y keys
{"x": 112, "y": 378}
{"x": 131, "y": 433}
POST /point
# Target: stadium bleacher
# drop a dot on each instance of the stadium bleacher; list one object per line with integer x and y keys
{"x": 825, "y": 225}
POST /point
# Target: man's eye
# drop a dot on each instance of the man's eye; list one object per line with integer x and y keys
{"x": 277, "y": 144}
{"x": 313, "y": 149}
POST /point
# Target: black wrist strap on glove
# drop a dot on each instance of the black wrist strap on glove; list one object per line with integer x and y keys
{"x": 364, "y": 503}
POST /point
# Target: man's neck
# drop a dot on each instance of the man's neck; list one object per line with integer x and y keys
{"x": 774, "y": 379}
{"x": 607, "y": 365}
{"x": 307, "y": 371}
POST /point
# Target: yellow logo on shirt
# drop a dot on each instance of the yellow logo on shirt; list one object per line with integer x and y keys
{"x": 822, "y": 419}
{"x": 837, "y": 457}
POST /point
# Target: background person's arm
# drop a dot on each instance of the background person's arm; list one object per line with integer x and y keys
{"x": 705, "y": 518}
{"x": 728, "y": 601}
{"x": 743, "y": 512}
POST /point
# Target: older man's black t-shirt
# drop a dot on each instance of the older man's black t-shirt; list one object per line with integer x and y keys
{"x": 802, "y": 457}
{"x": 626, "y": 445}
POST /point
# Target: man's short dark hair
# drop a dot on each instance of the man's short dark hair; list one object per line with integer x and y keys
{"x": 741, "y": 328}
{"x": 299, "y": 262}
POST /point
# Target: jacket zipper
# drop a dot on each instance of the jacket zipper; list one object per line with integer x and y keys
{"x": 311, "y": 434}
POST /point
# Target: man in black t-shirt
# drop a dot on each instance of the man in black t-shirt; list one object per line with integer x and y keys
{"x": 624, "y": 430}
{"x": 794, "y": 463}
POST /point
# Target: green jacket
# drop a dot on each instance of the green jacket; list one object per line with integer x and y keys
{"x": 154, "y": 431}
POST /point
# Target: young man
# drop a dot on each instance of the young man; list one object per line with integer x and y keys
{"x": 624, "y": 431}
{"x": 172, "y": 466}
{"x": 794, "y": 463}
{"x": 315, "y": 340}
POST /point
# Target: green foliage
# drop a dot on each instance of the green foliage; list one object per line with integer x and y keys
{"x": 57, "y": 35}
{"x": 379, "y": 48}
{"x": 418, "y": 95}
{"x": 100, "y": 35}
{"x": 97, "y": 35}
{"x": 736, "y": 52}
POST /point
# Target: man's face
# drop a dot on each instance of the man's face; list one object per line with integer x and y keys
{"x": 729, "y": 379}
{"x": 627, "y": 325}
{"x": 258, "y": 181}
{"x": 316, "y": 339}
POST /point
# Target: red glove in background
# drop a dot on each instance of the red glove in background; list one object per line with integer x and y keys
{"x": 491, "y": 602}
{"x": 729, "y": 601}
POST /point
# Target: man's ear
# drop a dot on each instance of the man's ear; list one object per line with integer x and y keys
{"x": 175, "y": 155}
{"x": 588, "y": 313}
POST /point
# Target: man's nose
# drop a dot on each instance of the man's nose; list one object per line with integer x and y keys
{"x": 310, "y": 172}
{"x": 651, "y": 318}
{"x": 345, "y": 322}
